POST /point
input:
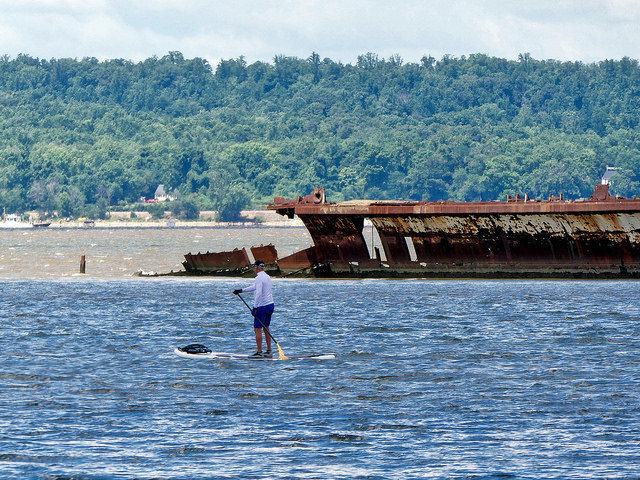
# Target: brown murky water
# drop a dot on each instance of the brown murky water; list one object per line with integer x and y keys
{"x": 113, "y": 253}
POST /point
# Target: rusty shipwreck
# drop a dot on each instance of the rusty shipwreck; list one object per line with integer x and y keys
{"x": 514, "y": 238}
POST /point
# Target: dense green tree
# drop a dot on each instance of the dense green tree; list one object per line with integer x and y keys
{"x": 81, "y": 136}
{"x": 185, "y": 208}
{"x": 230, "y": 203}
{"x": 157, "y": 210}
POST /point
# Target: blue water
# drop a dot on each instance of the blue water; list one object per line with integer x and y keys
{"x": 433, "y": 379}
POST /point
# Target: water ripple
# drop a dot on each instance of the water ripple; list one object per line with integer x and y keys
{"x": 447, "y": 379}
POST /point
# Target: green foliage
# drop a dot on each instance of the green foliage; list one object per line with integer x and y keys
{"x": 185, "y": 208}
{"x": 96, "y": 210}
{"x": 157, "y": 210}
{"x": 77, "y": 136}
{"x": 230, "y": 202}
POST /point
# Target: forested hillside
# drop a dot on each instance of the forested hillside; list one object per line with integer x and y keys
{"x": 80, "y": 134}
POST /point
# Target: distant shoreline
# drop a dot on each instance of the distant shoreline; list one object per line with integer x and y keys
{"x": 105, "y": 224}
{"x": 252, "y": 219}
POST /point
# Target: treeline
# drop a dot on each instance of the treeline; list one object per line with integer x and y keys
{"x": 79, "y": 136}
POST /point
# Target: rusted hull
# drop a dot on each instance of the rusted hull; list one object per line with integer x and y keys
{"x": 519, "y": 238}
{"x": 530, "y": 239}
{"x": 233, "y": 262}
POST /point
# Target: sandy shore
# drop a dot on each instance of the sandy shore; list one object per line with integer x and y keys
{"x": 254, "y": 218}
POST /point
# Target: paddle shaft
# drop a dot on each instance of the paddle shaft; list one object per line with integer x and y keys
{"x": 259, "y": 321}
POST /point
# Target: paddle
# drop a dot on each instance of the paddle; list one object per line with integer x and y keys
{"x": 282, "y": 355}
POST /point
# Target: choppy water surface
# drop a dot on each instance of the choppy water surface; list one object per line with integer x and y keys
{"x": 433, "y": 379}
{"x": 116, "y": 253}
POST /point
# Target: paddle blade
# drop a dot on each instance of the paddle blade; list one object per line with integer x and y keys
{"x": 282, "y": 355}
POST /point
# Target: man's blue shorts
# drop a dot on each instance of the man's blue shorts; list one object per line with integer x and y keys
{"x": 263, "y": 314}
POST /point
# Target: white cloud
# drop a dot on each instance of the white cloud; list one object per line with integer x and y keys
{"x": 587, "y": 30}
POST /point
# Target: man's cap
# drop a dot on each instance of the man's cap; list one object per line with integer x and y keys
{"x": 258, "y": 263}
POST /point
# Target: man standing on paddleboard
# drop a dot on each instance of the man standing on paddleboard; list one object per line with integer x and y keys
{"x": 262, "y": 306}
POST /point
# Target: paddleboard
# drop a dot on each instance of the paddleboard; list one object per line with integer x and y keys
{"x": 240, "y": 356}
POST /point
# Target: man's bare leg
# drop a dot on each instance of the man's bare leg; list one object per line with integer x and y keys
{"x": 268, "y": 339}
{"x": 258, "y": 332}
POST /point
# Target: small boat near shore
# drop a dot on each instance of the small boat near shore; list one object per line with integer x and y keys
{"x": 13, "y": 221}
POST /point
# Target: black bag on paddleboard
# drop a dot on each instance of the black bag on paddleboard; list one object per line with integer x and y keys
{"x": 194, "y": 348}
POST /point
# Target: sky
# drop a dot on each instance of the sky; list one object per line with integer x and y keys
{"x": 574, "y": 30}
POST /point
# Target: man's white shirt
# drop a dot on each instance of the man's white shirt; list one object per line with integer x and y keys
{"x": 262, "y": 288}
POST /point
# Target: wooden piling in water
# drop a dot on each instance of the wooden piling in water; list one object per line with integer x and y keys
{"x": 83, "y": 264}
